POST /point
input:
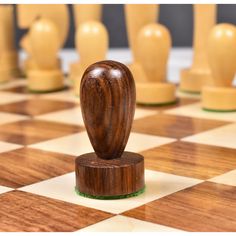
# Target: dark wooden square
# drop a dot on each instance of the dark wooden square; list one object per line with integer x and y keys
{"x": 34, "y": 107}
{"x": 21, "y": 211}
{"x": 206, "y": 207}
{"x": 32, "y": 131}
{"x": 174, "y": 126}
{"x": 191, "y": 159}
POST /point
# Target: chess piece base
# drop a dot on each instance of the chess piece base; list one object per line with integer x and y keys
{"x": 29, "y": 64}
{"x": 44, "y": 81}
{"x": 192, "y": 81}
{"x": 155, "y": 93}
{"x": 220, "y": 99}
{"x": 109, "y": 179}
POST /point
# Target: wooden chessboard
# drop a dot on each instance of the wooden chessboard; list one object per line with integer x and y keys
{"x": 190, "y": 159}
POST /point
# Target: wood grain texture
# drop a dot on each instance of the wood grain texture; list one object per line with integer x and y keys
{"x": 191, "y": 159}
{"x": 119, "y": 176}
{"x": 32, "y": 131}
{"x": 22, "y": 89}
{"x": 21, "y": 211}
{"x": 26, "y": 166}
{"x": 174, "y": 126}
{"x": 107, "y": 96}
{"x": 204, "y": 207}
{"x": 34, "y": 107}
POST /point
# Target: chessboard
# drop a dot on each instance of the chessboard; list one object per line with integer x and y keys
{"x": 190, "y": 167}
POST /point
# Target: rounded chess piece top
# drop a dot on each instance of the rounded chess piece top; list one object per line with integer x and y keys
{"x": 107, "y": 96}
{"x": 153, "y": 46}
{"x": 44, "y": 43}
{"x": 91, "y": 42}
{"x": 222, "y": 54}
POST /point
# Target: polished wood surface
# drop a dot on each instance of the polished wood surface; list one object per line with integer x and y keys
{"x": 22, "y": 212}
{"x": 32, "y": 131}
{"x": 174, "y": 126}
{"x": 174, "y": 168}
{"x": 190, "y": 159}
{"x": 35, "y": 106}
{"x": 116, "y": 177}
{"x": 27, "y": 166}
{"x": 107, "y": 97}
{"x": 203, "y": 208}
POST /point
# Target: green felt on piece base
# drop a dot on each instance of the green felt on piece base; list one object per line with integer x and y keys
{"x": 157, "y": 104}
{"x": 110, "y": 197}
{"x": 221, "y": 111}
{"x": 189, "y": 92}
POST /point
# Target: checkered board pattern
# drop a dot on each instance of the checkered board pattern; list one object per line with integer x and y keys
{"x": 190, "y": 167}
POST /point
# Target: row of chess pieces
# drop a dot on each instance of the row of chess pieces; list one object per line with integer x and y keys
{"x": 211, "y": 74}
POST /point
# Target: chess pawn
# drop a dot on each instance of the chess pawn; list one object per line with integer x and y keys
{"x": 91, "y": 42}
{"x": 192, "y": 79}
{"x": 9, "y": 67}
{"x": 44, "y": 43}
{"x": 108, "y": 104}
{"x": 137, "y": 16}
{"x": 154, "y": 43}
{"x": 221, "y": 96}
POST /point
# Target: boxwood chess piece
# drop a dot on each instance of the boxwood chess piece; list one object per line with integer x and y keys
{"x": 199, "y": 74}
{"x": 46, "y": 76}
{"x": 9, "y": 67}
{"x": 150, "y": 71}
{"x": 107, "y": 95}
{"x": 221, "y": 96}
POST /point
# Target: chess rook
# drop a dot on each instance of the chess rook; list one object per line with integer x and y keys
{"x": 108, "y": 104}
{"x": 221, "y": 96}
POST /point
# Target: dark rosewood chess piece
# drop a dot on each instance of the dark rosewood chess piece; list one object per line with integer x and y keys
{"x": 107, "y": 96}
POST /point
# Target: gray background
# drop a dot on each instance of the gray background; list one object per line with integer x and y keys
{"x": 177, "y": 17}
